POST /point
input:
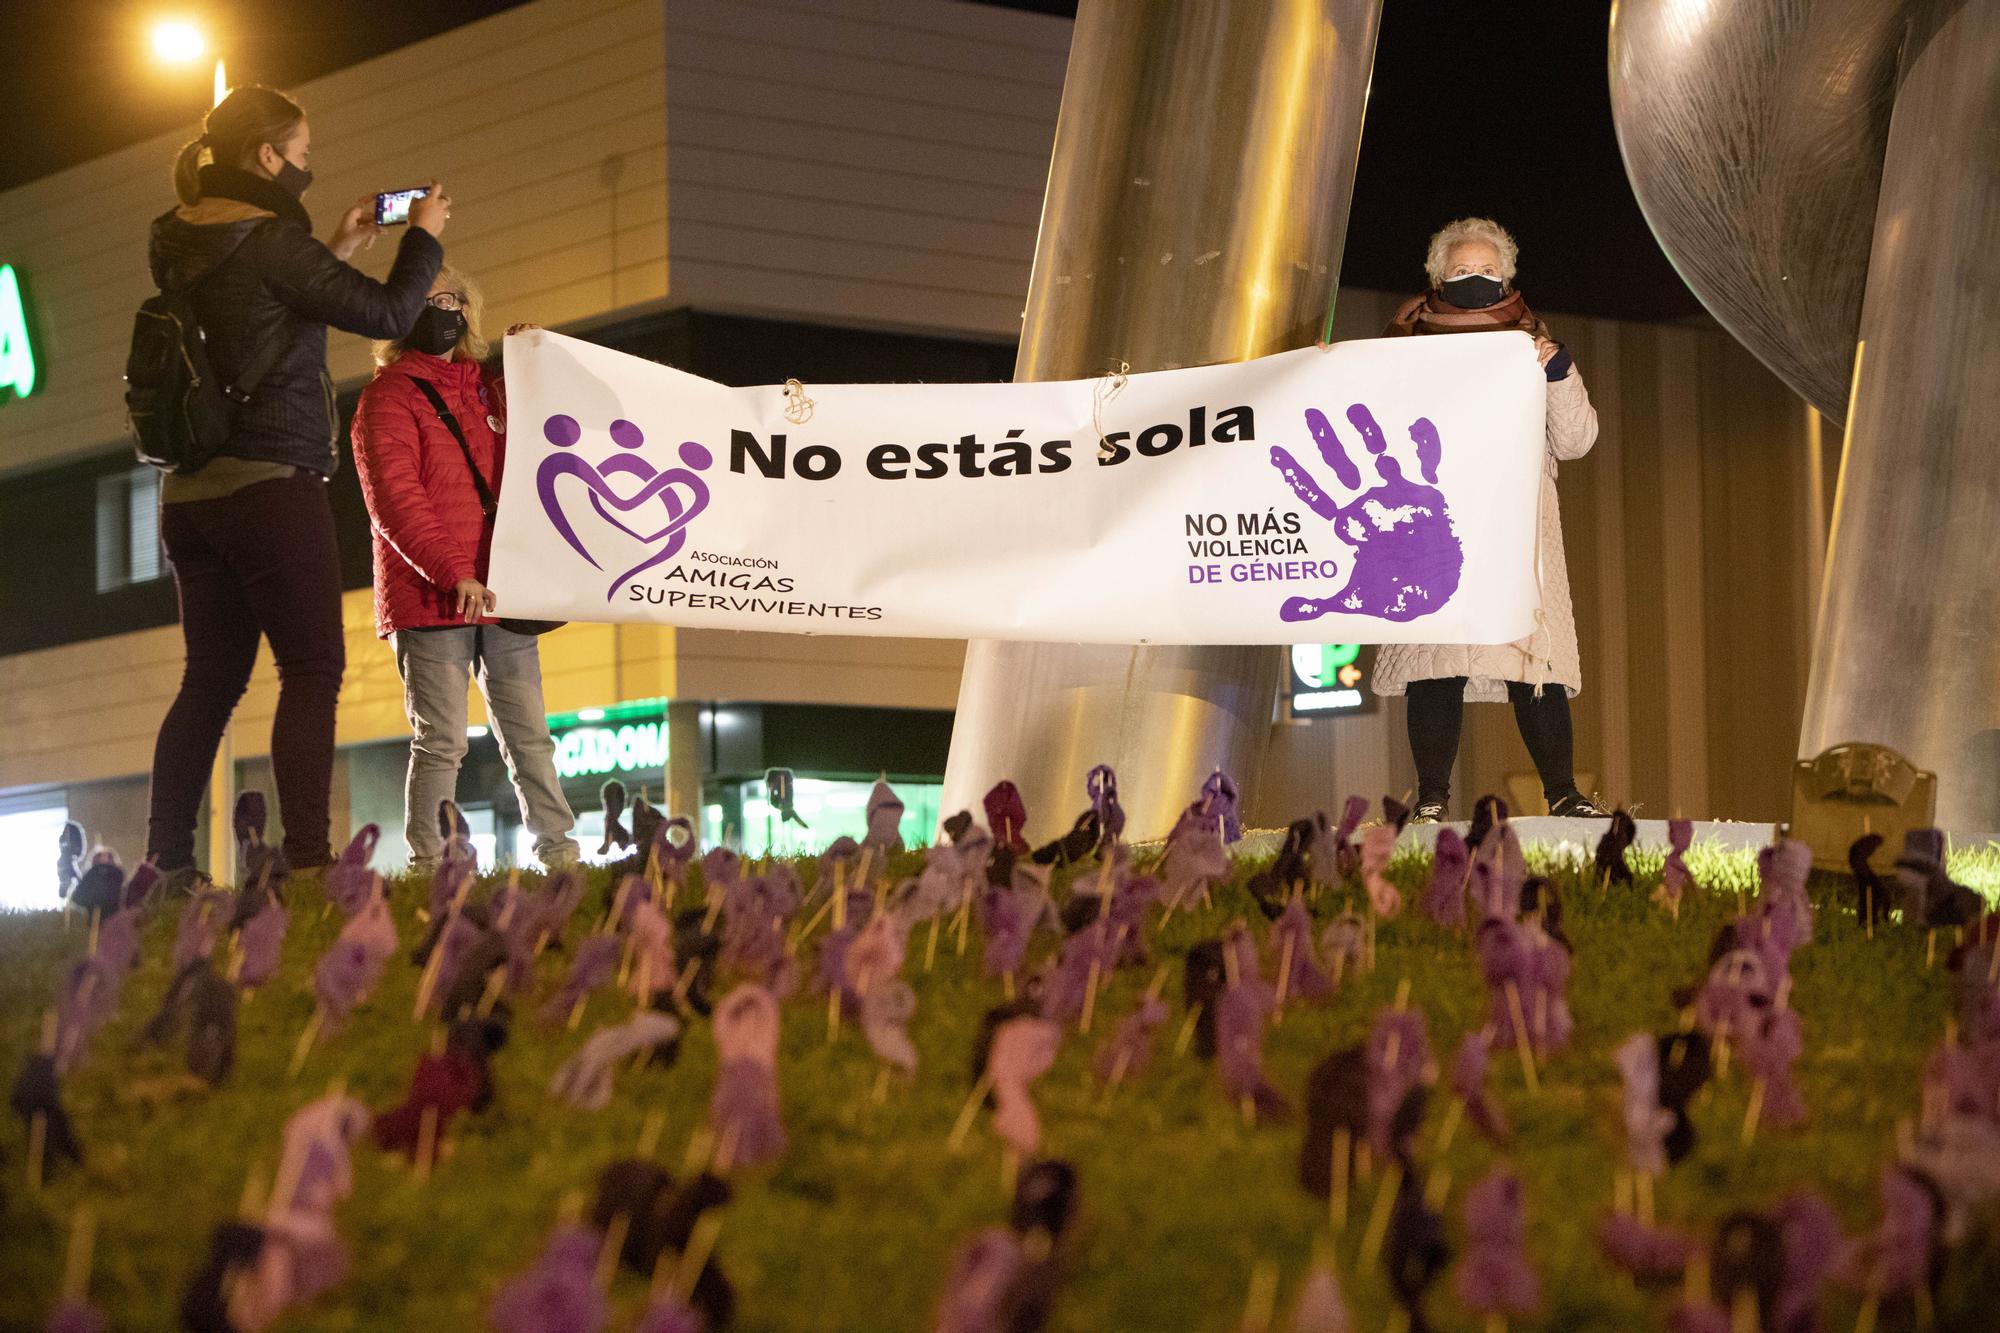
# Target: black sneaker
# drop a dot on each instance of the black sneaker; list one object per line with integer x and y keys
{"x": 1427, "y": 812}
{"x": 1577, "y": 806}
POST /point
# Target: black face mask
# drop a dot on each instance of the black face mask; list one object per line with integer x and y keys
{"x": 436, "y": 331}
{"x": 297, "y": 180}
{"x": 1474, "y": 291}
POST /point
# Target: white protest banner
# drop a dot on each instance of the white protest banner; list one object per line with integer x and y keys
{"x": 1376, "y": 492}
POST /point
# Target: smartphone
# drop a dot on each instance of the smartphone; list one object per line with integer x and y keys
{"x": 393, "y": 206}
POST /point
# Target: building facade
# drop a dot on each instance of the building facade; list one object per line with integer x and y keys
{"x": 832, "y": 190}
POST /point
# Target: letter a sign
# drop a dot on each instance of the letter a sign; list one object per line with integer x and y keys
{"x": 17, "y": 358}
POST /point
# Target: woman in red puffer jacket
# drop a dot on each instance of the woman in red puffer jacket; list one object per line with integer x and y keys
{"x": 429, "y": 493}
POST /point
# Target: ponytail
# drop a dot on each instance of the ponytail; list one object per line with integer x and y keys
{"x": 249, "y": 116}
{"x": 187, "y": 170}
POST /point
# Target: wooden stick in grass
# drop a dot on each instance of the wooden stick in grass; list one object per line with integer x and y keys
{"x": 38, "y": 1138}
{"x": 1378, "y": 1216}
{"x": 1694, "y": 1279}
{"x": 1751, "y": 1112}
{"x": 700, "y": 1151}
{"x": 1089, "y": 998}
{"x": 617, "y": 911}
{"x": 1284, "y": 977}
{"x": 613, "y": 1247}
{"x": 1454, "y": 1112}
{"x": 1343, "y": 1163}
{"x": 38, "y": 1123}
{"x": 930, "y": 948}
{"x": 701, "y": 1243}
{"x": 76, "y": 1264}
{"x": 1262, "y": 1302}
{"x": 1187, "y": 1030}
{"x": 962, "y": 1126}
{"x": 649, "y": 1134}
{"x": 964, "y": 914}
{"x": 1520, "y": 1025}
{"x": 812, "y": 924}
{"x": 725, "y": 1148}
{"x": 1119, "y": 1064}
{"x": 306, "y": 1040}
{"x": 1871, "y": 1305}
{"x": 427, "y": 1134}
{"x": 496, "y": 981}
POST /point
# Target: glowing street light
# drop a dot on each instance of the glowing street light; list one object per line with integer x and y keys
{"x": 177, "y": 41}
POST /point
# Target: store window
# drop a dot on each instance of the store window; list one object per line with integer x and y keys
{"x": 740, "y": 815}
{"x": 128, "y": 529}
{"x": 29, "y": 838}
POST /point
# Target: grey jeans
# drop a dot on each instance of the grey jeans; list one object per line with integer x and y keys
{"x": 435, "y": 665}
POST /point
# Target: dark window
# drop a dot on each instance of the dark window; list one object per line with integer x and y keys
{"x": 128, "y": 529}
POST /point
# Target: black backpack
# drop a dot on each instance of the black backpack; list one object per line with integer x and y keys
{"x": 178, "y": 410}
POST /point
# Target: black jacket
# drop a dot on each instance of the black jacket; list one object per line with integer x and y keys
{"x": 272, "y": 280}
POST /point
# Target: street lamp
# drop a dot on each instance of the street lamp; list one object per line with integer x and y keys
{"x": 179, "y": 42}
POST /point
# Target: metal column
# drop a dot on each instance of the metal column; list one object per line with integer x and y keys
{"x": 1196, "y": 209}
{"x": 1908, "y": 652}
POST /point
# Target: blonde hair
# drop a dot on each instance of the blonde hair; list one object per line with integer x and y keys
{"x": 1471, "y": 229}
{"x": 470, "y": 347}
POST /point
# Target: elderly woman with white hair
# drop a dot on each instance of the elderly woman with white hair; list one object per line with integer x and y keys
{"x": 1471, "y": 268}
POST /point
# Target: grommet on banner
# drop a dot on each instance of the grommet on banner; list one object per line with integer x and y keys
{"x": 798, "y": 407}
{"x": 1108, "y": 387}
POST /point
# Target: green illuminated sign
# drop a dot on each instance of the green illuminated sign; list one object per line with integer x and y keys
{"x": 627, "y": 749}
{"x": 1319, "y": 665}
{"x": 625, "y": 738}
{"x": 1326, "y": 678}
{"x": 17, "y": 354}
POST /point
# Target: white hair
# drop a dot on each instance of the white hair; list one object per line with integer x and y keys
{"x": 1471, "y": 229}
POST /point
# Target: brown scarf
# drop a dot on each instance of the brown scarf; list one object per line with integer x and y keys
{"x": 1431, "y": 313}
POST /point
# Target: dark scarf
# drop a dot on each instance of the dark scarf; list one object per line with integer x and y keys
{"x": 220, "y": 182}
{"x": 1431, "y": 313}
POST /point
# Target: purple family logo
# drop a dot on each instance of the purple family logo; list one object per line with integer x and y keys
{"x": 1407, "y": 556}
{"x": 680, "y": 491}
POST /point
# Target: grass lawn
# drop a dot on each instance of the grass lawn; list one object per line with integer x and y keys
{"x": 855, "y": 1226}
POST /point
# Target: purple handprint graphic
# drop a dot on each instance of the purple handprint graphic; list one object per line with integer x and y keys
{"x": 680, "y": 491}
{"x": 1407, "y": 556}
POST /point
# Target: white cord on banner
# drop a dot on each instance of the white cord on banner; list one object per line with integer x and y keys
{"x": 1108, "y": 388}
{"x": 798, "y": 407}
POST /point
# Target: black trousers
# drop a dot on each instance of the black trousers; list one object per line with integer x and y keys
{"x": 259, "y": 564}
{"x": 1437, "y": 708}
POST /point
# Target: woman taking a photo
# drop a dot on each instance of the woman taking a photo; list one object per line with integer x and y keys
{"x": 250, "y": 535}
{"x": 429, "y": 446}
{"x": 1471, "y": 267}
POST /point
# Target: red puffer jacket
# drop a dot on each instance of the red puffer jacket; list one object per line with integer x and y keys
{"x": 430, "y": 531}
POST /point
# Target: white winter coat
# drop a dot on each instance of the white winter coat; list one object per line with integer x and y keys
{"x": 1549, "y": 653}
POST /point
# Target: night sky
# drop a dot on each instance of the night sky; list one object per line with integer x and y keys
{"x": 1475, "y": 108}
